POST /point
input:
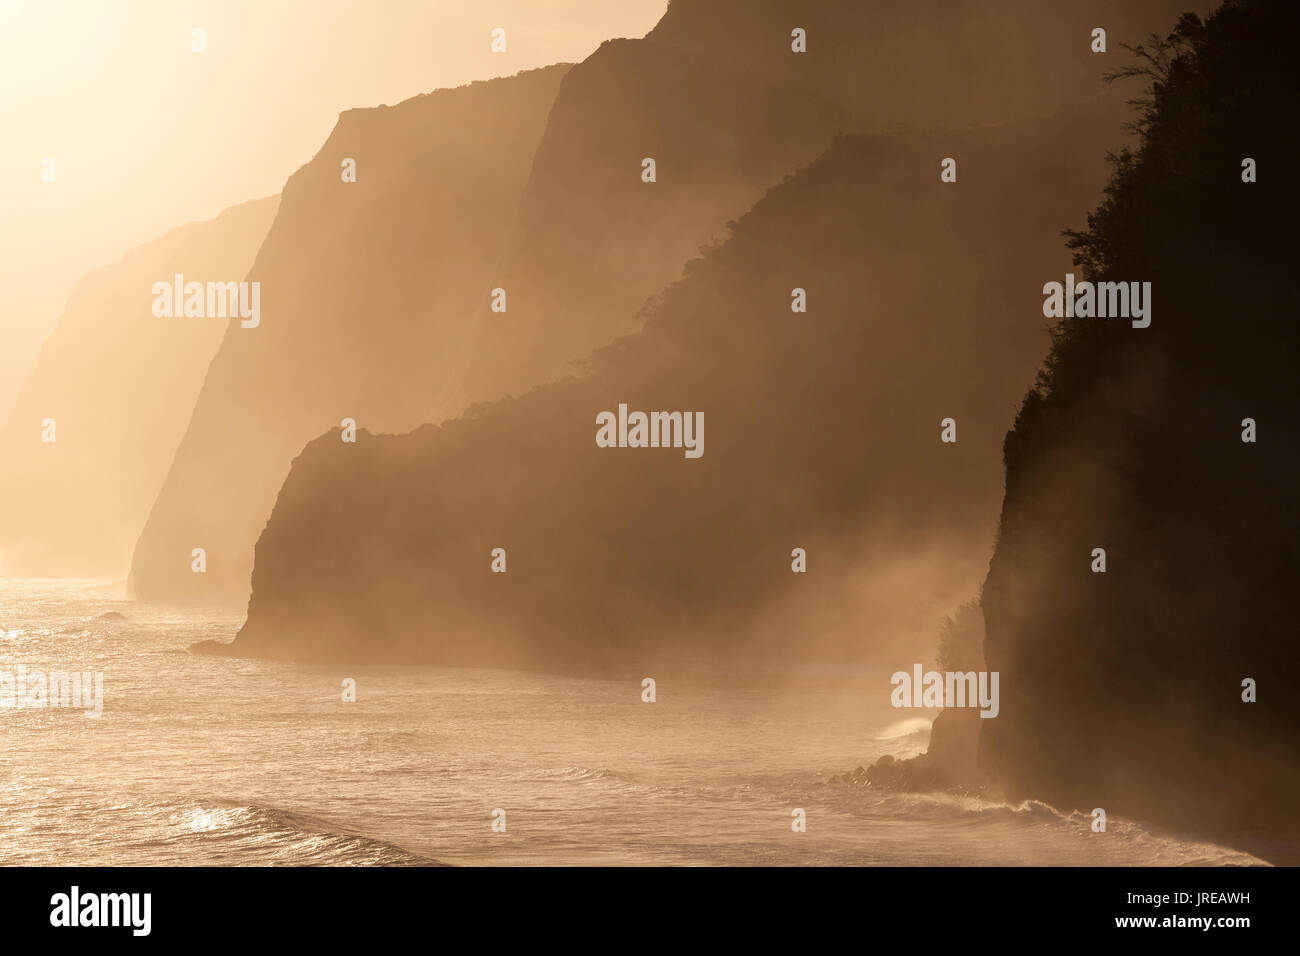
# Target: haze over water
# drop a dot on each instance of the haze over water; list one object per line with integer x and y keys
{"x": 210, "y": 760}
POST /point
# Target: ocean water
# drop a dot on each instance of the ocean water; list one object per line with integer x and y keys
{"x": 202, "y": 760}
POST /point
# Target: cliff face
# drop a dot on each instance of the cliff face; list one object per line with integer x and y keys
{"x": 923, "y": 62}
{"x": 365, "y": 287}
{"x": 393, "y": 325}
{"x": 119, "y": 384}
{"x": 716, "y": 96}
{"x": 1123, "y": 689}
{"x": 592, "y": 240}
{"x": 822, "y": 432}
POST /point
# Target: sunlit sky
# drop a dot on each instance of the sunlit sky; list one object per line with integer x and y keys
{"x": 147, "y": 135}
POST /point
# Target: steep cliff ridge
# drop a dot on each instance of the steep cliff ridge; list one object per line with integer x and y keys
{"x": 365, "y": 286}
{"x": 592, "y": 240}
{"x": 821, "y": 432}
{"x": 924, "y": 62}
{"x": 1124, "y": 689}
{"x": 118, "y": 383}
{"x": 716, "y": 96}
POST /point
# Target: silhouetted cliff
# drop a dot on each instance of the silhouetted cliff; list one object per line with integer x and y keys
{"x": 923, "y": 62}
{"x": 119, "y": 384}
{"x": 1124, "y": 689}
{"x": 365, "y": 287}
{"x": 822, "y": 432}
{"x": 392, "y": 325}
{"x": 716, "y": 96}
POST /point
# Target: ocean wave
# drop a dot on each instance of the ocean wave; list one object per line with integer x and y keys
{"x": 261, "y": 835}
{"x": 940, "y": 807}
{"x": 909, "y": 727}
{"x": 583, "y": 773}
{"x": 603, "y": 780}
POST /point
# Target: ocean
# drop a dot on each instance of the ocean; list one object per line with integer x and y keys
{"x": 200, "y": 760}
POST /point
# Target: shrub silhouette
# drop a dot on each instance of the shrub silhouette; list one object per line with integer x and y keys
{"x": 1123, "y": 689}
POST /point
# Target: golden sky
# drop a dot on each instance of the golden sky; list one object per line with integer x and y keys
{"x": 147, "y": 135}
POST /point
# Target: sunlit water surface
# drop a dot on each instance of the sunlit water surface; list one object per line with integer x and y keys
{"x": 212, "y": 760}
